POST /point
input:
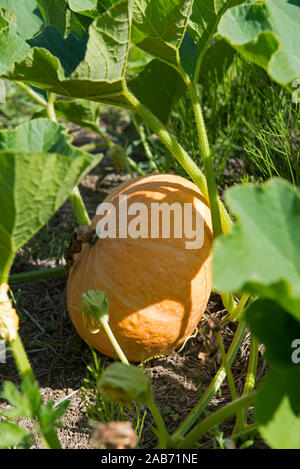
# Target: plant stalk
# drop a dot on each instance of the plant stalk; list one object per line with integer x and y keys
{"x": 32, "y": 93}
{"x": 140, "y": 130}
{"x": 215, "y": 419}
{"x": 207, "y": 161}
{"x": 178, "y": 152}
{"x": 251, "y": 373}
{"x": 21, "y": 359}
{"x": 162, "y": 434}
{"x": 230, "y": 379}
{"x": 113, "y": 341}
{"x": 75, "y": 197}
{"x": 37, "y": 274}
{"x": 51, "y": 108}
{"x": 214, "y": 386}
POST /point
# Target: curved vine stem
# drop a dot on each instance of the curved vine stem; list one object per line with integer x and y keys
{"x": 76, "y": 199}
{"x": 214, "y": 386}
{"x": 249, "y": 383}
{"x": 39, "y": 99}
{"x": 50, "y": 108}
{"x": 113, "y": 340}
{"x": 177, "y": 151}
{"x": 230, "y": 379}
{"x": 215, "y": 419}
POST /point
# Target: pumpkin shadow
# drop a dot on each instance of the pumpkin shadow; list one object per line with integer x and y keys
{"x": 157, "y": 287}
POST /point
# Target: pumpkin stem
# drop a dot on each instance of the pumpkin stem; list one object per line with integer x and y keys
{"x": 81, "y": 234}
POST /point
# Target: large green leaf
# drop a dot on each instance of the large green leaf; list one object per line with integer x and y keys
{"x": 12, "y": 46}
{"x": 202, "y": 25}
{"x": 28, "y": 19}
{"x": 92, "y": 8}
{"x": 54, "y": 12}
{"x": 277, "y": 409}
{"x": 159, "y": 27}
{"x": 158, "y": 86}
{"x": 100, "y": 76}
{"x": 277, "y": 406}
{"x": 277, "y": 330}
{"x": 70, "y": 51}
{"x": 82, "y": 5}
{"x": 38, "y": 136}
{"x": 261, "y": 254}
{"x": 217, "y": 59}
{"x": 204, "y": 20}
{"x": 268, "y": 33}
{"x": 34, "y": 184}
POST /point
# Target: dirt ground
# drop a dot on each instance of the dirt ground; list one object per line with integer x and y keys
{"x": 59, "y": 357}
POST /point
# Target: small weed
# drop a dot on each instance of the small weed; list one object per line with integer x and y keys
{"x": 102, "y": 410}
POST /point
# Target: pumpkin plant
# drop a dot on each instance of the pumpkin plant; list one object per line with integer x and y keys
{"x": 36, "y": 177}
{"x": 84, "y": 52}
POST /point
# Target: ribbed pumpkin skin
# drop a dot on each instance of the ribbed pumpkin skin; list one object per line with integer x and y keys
{"x": 158, "y": 289}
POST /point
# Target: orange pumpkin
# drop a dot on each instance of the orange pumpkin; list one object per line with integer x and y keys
{"x": 157, "y": 288}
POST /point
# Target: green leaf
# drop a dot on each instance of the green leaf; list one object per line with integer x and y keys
{"x": 216, "y": 61}
{"x": 82, "y": 5}
{"x": 54, "y": 12}
{"x": 99, "y": 77}
{"x": 34, "y": 184}
{"x": 40, "y": 136}
{"x": 261, "y": 254}
{"x": 159, "y": 27}
{"x": 124, "y": 383}
{"x": 79, "y": 111}
{"x": 137, "y": 60}
{"x": 25, "y": 404}
{"x": 19, "y": 402}
{"x": 48, "y": 416}
{"x": 158, "y": 87}
{"x": 28, "y": 19}
{"x": 268, "y": 33}
{"x": 202, "y": 25}
{"x": 277, "y": 330}
{"x": 12, "y": 46}
{"x": 69, "y": 51}
{"x": 277, "y": 409}
{"x": 11, "y": 434}
{"x": 204, "y": 20}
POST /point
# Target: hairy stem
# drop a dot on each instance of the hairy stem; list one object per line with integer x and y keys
{"x": 141, "y": 131}
{"x": 37, "y": 274}
{"x": 207, "y": 161}
{"x": 180, "y": 154}
{"x": 230, "y": 380}
{"x": 215, "y": 419}
{"x": 21, "y": 359}
{"x": 51, "y": 108}
{"x": 214, "y": 386}
{"x": 251, "y": 373}
{"x": 163, "y": 435}
{"x": 39, "y": 99}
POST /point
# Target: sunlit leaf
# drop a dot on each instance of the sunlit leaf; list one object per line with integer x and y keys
{"x": 158, "y": 86}
{"x": 277, "y": 409}
{"x": 268, "y": 33}
{"x": 33, "y": 183}
{"x": 99, "y": 77}
{"x": 261, "y": 254}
